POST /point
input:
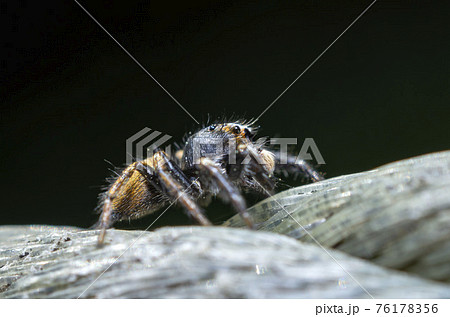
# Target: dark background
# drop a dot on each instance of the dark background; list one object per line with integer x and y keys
{"x": 70, "y": 97}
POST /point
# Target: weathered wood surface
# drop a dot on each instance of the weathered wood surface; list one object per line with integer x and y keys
{"x": 396, "y": 216}
{"x": 189, "y": 262}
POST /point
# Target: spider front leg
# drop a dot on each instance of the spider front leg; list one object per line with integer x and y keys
{"x": 261, "y": 165}
{"x": 227, "y": 190}
{"x": 177, "y": 187}
{"x": 290, "y": 164}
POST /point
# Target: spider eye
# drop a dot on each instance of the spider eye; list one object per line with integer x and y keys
{"x": 236, "y": 129}
{"x": 212, "y": 127}
{"x": 248, "y": 133}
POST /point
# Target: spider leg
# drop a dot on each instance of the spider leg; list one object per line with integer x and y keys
{"x": 106, "y": 220}
{"x": 260, "y": 165}
{"x": 296, "y": 166}
{"x": 262, "y": 172}
{"x": 227, "y": 190}
{"x": 176, "y": 187}
{"x": 158, "y": 178}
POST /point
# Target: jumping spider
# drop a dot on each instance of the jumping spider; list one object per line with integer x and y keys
{"x": 203, "y": 168}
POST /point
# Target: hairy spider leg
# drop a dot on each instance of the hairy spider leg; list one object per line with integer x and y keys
{"x": 228, "y": 191}
{"x": 163, "y": 168}
{"x": 105, "y": 218}
{"x": 160, "y": 177}
{"x": 297, "y": 167}
{"x": 260, "y": 166}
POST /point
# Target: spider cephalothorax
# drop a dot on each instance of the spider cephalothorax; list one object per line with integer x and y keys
{"x": 219, "y": 160}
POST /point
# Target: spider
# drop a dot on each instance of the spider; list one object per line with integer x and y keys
{"x": 219, "y": 160}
